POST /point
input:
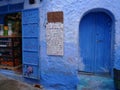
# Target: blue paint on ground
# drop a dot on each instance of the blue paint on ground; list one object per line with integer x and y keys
{"x": 60, "y": 82}
{"x": 94, "y": 82}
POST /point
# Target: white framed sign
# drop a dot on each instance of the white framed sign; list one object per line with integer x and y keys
{"x": 55, "y": 38}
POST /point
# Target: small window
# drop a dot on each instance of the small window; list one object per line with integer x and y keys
{"x": 31, "y": 1}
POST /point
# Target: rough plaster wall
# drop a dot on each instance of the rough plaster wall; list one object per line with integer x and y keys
{"x": 117, "y": 45}
{"x": 63, "y": 70}
{"x": 56, "y": 68}
{"x": 5, "y": 2}
{"x": 30, "y": 6}
{"x": 15, "y": 1}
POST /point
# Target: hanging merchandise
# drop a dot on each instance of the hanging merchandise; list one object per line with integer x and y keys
{"x": 10, "y": 29}
{"x": 1, "y": 29}
{"x": 5, "y": 31}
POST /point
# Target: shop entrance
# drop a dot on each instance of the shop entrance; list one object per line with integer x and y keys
{"x": 11, "y": 41}
{"x": 19, "y": 42}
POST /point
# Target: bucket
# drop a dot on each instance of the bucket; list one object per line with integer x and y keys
{"x": 117, "y": 79}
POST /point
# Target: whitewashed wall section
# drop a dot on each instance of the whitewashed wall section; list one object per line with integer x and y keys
{"x": 55, "y": 38}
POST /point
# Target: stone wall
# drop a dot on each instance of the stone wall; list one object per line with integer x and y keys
{"x": 6, "y": 2}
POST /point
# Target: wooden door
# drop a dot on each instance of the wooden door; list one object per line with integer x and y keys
{"x": 95, "y": 42}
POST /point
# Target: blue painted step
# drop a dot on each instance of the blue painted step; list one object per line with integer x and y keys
{"x": 92, "y": 82}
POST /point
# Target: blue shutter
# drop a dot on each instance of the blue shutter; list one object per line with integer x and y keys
{"x": 30, "y": 43}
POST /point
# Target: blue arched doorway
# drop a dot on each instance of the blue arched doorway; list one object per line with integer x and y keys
{"x": 95, "y": 36}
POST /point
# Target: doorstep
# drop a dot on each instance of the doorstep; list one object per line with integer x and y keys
{"x": 95, "y": 82}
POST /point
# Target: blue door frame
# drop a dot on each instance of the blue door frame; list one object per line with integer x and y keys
{"x": 95, "y": 42}
{"x": 30, "y": 43}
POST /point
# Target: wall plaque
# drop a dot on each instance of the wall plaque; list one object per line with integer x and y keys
{"x": 54, "y": 37}
{"x": 55, "y": 16}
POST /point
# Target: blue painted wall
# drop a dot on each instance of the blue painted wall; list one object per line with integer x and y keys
{"x": 61, "y": 71}
{"x": 55, "y": 68}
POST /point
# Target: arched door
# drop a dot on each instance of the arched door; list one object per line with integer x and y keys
{"x": 95, "y": 42}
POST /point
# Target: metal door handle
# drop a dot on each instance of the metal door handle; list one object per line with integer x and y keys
{"x": 99, "y": 41}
